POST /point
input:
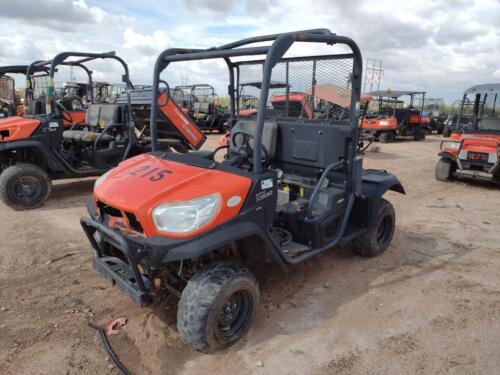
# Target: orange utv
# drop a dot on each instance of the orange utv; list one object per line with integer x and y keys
{"x": 284, "y": 189}
{"x": 388, "y": 116}
{"x": 473, "y": 149}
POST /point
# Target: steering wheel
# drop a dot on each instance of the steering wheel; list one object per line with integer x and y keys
{"x": 248, "y": 149}
{"x": 66, "y": 115}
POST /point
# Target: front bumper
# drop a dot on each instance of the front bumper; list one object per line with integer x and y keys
{"x": 124, "y": 274}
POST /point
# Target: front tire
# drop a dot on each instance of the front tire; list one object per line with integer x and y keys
{"x": 217, "y": 306}
{"x": 24, "y": 186}
{"x": 379, "y": 237}
{"x": 419, "y": 135}
{"x": 444, "y": 169}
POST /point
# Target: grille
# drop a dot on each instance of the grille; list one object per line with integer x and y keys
{"x": 107, "y": 210}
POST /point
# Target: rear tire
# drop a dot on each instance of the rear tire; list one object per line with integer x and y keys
{"x": 24, "y": 186}
{"x": 386, "y": 137}
{"x": 444, "y": 168}
{"x": 217, "y": 306}
{"x": 379, "y": 237}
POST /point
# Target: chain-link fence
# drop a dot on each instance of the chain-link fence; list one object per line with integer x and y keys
{"x": 313, "y": 87}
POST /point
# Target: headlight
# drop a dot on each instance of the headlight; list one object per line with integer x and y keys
{"x": 385, "y": 123}
{"x": 492, "y": 158}
{"x": 450, "y": 145}
{"x": 101, "y": 179}
{"x": 186, "y": 217}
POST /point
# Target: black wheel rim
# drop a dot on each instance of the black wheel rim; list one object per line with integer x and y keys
{"x": 27, "y": 189}
{"x": 235, "y": 314}
{"x": 384, "y": 230}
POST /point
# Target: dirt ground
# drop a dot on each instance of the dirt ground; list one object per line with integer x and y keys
{"x": 429, "y": 305}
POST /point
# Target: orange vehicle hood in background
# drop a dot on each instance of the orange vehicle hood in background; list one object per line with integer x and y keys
{"x": 374, "y": 123}
{"x": 140, "y": 184}
{"x": 478, "y": 142}
{"x": 16, "y": 128}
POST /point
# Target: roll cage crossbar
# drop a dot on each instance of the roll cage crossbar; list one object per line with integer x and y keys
{"x": 61, "y": 59}
{"x": 280, "y": 44}
{"x": 20, "y": 69}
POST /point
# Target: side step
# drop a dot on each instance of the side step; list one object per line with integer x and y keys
{"x": 352, "y": 232}
{"x": 294, "y": 248}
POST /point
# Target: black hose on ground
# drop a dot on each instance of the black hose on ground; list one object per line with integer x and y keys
{"x": 108, "y": 348}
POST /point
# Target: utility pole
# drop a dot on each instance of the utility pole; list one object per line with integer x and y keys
{"x": 373, "y": 75}
{"x": 184, "y": 79}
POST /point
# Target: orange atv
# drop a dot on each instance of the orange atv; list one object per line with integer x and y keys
{"x": 473, "y": 149}
{"x": 387, "y": 116}
{"x": 287, "y": 190}
{"x": 53, "y": 142}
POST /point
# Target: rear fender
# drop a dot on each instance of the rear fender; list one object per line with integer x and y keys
{"x": 374, "y": 185}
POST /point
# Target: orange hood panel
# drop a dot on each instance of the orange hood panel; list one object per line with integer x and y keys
{"x": 374, "y": 123}
{"x": 16, "y": 128}
{"x": 140, "y": 184}
{"x": 479, "y": 142}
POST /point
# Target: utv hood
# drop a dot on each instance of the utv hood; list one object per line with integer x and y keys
{"x": 140, "y": 184}
{"x": 478, "y": 142}
{"x": 17, "y": 128}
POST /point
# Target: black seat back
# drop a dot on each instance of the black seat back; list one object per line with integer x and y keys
{"x": 306, "y": 147}
{"x": 103, "y": 115}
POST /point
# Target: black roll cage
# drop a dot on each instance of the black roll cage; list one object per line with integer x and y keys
{"x": 61, "y": 59}
{"x": 386, "y": 96}
{"x": 274, "y": 53}
{"x": 20, "y": 69}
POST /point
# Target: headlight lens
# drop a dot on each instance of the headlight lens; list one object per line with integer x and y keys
{"x": 450, "y": 145}
{"x": 101, "y": 179}
{"x": 385, "y": 123}
{"x": 186, "y": 217}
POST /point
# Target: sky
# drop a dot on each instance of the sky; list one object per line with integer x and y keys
{"x": 439, "y": 46}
